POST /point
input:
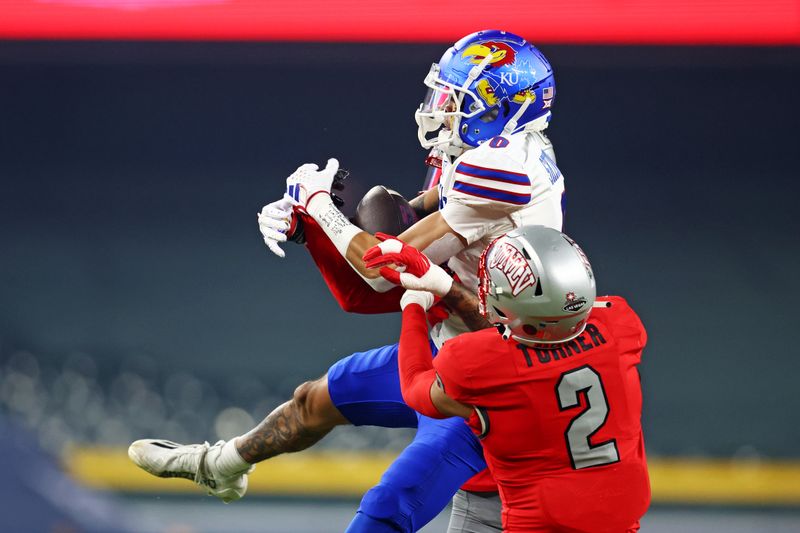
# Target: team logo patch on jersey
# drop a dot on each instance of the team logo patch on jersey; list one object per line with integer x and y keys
{"x": 508, "y": 260}
{"x": 573, "y": 303}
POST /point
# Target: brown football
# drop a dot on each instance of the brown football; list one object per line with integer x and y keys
{"x": 385, "y": 210}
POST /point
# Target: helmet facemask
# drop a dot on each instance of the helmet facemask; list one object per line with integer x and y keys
{"x": 442, "y": 109}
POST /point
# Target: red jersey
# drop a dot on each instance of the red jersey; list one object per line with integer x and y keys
{"x": 560, "y": 424}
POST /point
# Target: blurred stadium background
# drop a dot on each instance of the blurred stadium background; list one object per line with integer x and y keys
{"x": 138, "y": 139}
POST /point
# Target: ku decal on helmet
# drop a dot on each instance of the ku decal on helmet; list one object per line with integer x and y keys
{"x": 536, "y": 285}
{"x": 489, "y": 83}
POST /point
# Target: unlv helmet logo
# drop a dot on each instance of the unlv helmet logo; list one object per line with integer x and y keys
{"x": 514, "y": 266}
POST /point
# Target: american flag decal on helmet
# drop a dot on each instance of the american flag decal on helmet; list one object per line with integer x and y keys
{"x": 547, "y": 96}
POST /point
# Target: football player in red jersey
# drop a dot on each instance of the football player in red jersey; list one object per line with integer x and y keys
{"x": 555, "y": 397}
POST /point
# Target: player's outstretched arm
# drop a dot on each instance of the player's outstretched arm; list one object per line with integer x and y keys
{"x": 431, "y": 231}
{"x": 310, "y": 188}
{"x": 353, "y": 294}
{"x": 418, "y": 383}
{"x": 419, "y": 273}
{"x": 353, "y": 242}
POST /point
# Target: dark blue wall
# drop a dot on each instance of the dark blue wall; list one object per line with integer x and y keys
{"x": 132, "y": 173}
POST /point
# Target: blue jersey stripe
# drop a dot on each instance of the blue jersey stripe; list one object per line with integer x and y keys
{"x": 493, "y": 174}
{"x": 492, "y": 194}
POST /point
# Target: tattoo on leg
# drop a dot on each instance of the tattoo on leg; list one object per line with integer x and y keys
{"x": 282, "y": 431}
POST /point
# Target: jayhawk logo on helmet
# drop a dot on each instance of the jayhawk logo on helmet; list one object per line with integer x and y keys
{"x": 500, "y": 53}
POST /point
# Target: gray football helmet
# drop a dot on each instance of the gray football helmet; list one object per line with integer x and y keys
{"x": 536, "y": 285}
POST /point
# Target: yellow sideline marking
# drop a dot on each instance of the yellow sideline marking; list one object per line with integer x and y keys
{"x": 309, "y": 473}
{"x": 725, "y": 481}
{"x": 349, "y": 474}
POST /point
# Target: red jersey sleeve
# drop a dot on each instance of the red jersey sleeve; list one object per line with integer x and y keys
{"x": 626, "y": 326}
{"x": 352, "y": 293}
{"x": 467, "y": 365}
{"x": 453, "y": 372}
{"x": 414, "y": 362}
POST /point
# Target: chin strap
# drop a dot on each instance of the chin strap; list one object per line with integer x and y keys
{"x": 539, "y": 124}
{"x": 476, "y": 71}
{"x": 504, "y": 331}
{"x": 511, "y": 125}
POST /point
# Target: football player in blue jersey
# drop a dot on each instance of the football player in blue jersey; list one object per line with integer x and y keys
{"x": 488, "y": 103}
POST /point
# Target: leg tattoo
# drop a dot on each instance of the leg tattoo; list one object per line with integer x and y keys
{"x": 282, "y": 431}
{"x": 297, "y": 424}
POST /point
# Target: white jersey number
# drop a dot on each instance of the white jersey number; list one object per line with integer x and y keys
{"x": 585, "y": 380}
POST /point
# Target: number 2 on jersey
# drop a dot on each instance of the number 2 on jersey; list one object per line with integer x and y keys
{"x": 571, "y": 385}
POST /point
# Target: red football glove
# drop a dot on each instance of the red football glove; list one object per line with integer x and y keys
{"x": 416, "y": 271}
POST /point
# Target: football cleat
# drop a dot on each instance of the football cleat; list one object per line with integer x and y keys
{"x": 195, "y": 462}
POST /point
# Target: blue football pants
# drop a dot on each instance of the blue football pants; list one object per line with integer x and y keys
{"x": 365, "y": 387}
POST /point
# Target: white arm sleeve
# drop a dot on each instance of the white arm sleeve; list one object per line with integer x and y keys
{"x": 341, "y": 231}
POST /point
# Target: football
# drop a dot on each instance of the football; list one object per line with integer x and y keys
{"x": 383, "y": 209}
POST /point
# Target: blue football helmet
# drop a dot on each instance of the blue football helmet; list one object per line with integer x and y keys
{"x": 487, "y": 84}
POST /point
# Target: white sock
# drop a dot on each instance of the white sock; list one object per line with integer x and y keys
{"x": 229, "y": 463}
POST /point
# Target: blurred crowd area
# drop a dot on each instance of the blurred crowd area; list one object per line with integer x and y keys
{"x": 82, "y": 399}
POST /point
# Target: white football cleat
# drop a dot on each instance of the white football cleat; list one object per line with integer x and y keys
{"x": 195, "y": 462}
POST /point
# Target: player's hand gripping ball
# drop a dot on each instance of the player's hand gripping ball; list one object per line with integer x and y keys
{"x": 416, "y": 272}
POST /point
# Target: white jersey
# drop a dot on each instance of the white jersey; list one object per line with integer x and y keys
{"x": 506, "y": 182}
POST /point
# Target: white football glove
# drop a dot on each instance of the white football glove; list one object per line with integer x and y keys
{"x": 274, "y": 221}
{"x": 416, "y": 273}
{"x": 308, "y": 180}
{"x": 423, "y": 298}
